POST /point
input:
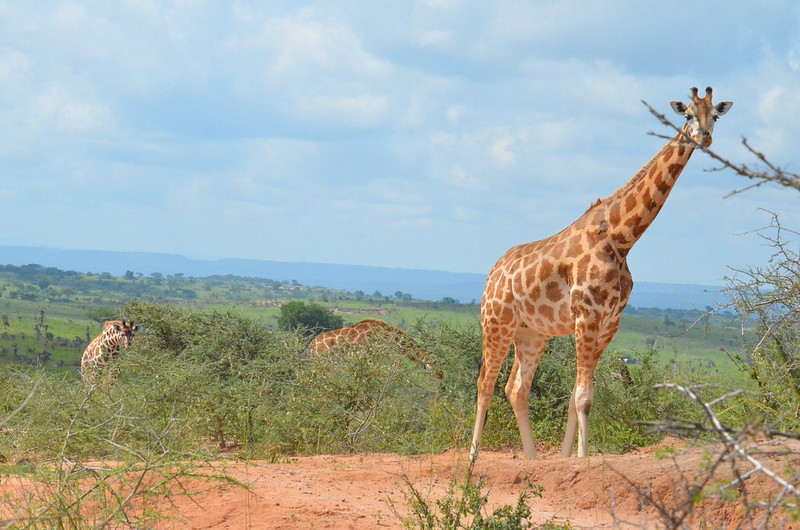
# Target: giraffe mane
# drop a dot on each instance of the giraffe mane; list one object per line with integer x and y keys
{"x": 595, "y": 203}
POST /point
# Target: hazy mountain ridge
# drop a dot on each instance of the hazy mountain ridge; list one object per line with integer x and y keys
{"x": 422, "y": 284}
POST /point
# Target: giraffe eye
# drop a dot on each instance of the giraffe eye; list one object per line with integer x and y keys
{"x": 688, "y": 117}
{"x": 715, "y": 118}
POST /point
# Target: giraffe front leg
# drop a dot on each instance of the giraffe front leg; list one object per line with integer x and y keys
{"x": 592, "y": 335}
{"x": 572, "y": 425}
{"x": 584, "y": 393}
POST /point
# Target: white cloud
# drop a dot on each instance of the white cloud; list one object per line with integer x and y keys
{"x": 363, "y": 110}
{"x": 500, "y": 151}
{"x": 779, "y": 111}
{"x": 301, "y": 46}
{"x": 458, "y": 177}
{"x": 15, "y": 68}
{"x": 56, "y": 109}
{"x": 455, "y": 113}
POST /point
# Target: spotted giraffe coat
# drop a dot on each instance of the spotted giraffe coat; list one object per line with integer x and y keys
{"x": 102, "y": 351}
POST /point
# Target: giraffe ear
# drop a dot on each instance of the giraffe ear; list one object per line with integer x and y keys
{"x": 678, "y": 107}
{"x": 723, "y": 107}
{"x": 117, "y": 327}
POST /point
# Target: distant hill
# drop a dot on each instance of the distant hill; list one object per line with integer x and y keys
{"x": 421, "y": 284}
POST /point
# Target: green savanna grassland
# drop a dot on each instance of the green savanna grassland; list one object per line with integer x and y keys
{"x": 47, "y": 316}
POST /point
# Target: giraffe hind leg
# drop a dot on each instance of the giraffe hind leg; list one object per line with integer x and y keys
{"x": 572, "y": 426}
{"x": 528, "y": 350}
{"x": 494, "y": 353}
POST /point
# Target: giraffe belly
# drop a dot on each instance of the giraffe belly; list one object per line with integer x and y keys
{"x": 547, "y": 317}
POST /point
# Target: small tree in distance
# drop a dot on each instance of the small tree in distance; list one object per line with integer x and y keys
{"x": 311, "y": 318}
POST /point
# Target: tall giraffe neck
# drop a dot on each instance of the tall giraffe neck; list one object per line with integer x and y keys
{"x": 112, "y": 339}
{"x": 632, "y": 208}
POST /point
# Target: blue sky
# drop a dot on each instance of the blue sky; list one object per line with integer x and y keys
{"x": 432, "y": 134}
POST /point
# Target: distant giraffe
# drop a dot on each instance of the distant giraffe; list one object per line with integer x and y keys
{"x": 577, "y": 282}
{"x": 365, "y": 329}
{"x": 102, "y": 351}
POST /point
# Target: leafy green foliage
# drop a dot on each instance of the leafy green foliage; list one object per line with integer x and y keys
{"x": 310, "y": 318}
{"x": 464, "y": 507}
{"x": 768, "y": 298}
{"x": 365, "y": 397}
{"x": 220, "y": 378}
{"x": 102, "y": 459}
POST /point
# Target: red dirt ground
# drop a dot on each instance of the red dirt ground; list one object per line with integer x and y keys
{"x": 357, "y": 490}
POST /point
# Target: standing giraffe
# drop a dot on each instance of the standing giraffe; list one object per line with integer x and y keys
{"x": 365, "y": 329}
{"x": 577, "y": 282}
{"x": 105, "y": 348}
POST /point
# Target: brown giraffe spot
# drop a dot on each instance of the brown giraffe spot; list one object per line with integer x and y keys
{"x": 577, "y": 298}
{"x": 573, "y": 251}
{"x": 497, "y": 307}
{"x": 632, "y": 221}
{"x": 630, "y": 203}
{"x": 647, "y": 197}
{"x": 614, "y": 216}
{"x": 547, "y": 312}
{"x": 668, "y": 152}
{"x": 536, "y": 292}
{"x": 530, "y": 307}
{"x": 619, "y": 239}
{"x": 545, "y": 270}
{"x": 553, "y": 291}
{"x": 582, "y": 269}
{"x": 599, "y": 295}
{"x": 675, "y": 170}
{"x": 681, "y": 150}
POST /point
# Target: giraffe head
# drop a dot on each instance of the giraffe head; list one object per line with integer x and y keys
{"x": 121, "y": 330}
{"x": 700, "y": 116}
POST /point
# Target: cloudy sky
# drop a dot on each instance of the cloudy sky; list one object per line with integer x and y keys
{"x": 433, "y": 134}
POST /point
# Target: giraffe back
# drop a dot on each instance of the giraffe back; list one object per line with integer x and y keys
{"x": 365, "y": 329}
{"x": 115, "y": 335}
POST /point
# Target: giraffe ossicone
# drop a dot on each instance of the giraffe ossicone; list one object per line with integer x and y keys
{"x": 104, "y": 349}
{"x": 577, "y": 282}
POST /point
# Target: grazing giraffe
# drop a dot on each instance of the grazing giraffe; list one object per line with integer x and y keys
{"x": 365, "y": 329}
{"x": 577, "y": 282}
{"x": 102, "y": 351}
